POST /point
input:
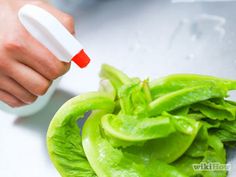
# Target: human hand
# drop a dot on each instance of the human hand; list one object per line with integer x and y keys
{"x": 27, "y": 68}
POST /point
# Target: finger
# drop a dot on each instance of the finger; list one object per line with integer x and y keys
{"x": 16, "y": 90}
{"x": 37, "y": 57}
{"x": 10, "y": 99}
{"x": 28, "y": 78}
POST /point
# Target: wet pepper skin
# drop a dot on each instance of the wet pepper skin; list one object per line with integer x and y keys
{"x": 144, "y": 128}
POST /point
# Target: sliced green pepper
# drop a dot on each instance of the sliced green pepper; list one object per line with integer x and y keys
{"x": 185, "y": 97}
{"x": 63, "y": 137}
{"x": 145, "y": 129}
